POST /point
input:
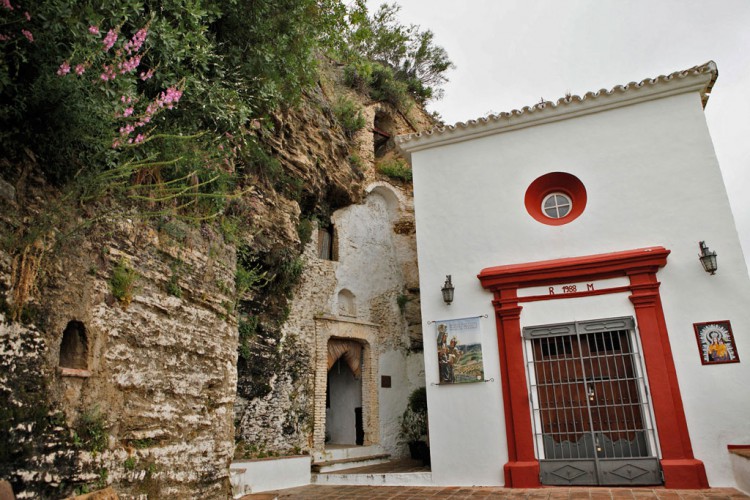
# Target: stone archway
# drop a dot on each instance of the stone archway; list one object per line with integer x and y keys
{"x": 330, "y": 327}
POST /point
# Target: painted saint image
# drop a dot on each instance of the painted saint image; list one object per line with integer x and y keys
{"x": 716, "y": 342}
{"x": 459, "y": 351}
{"x": 717, "y": 350}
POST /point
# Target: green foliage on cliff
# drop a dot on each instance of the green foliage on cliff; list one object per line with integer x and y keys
{"x": 395, "y": 168}
{"x": 75, "y": 75}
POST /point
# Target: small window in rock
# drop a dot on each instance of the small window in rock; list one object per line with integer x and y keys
{"x": 327, "y": 243}
{"x": 74, "y": 346}
{"x": 383, "y": 132}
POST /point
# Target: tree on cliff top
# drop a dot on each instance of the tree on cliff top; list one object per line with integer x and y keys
{"x": 405, "y": 49}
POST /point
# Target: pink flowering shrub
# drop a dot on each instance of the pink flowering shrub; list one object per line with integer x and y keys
{"x": 118, "y": 74}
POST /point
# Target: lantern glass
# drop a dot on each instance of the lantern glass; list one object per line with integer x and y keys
{"x": 448, "y": 290}
{"x": 708, "y": 258}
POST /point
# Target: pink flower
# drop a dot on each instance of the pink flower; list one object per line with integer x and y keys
{"x": 6, "y": 4}
{"x": 135, "y": 43}
{"x": 127, "y": 112}
{"x": 148, "y": 74}
{"x": 129, "y": 65}
{"x": 115, "y": 144}
{"x": 139, "y": 138}
{"x": 80, "y": 69}
{"x": 108, "y": 74}
{"x": 64, "y": 69}
{"x": 127, "y": 129}
{"x": 27, "y": 16}
{"x": 4, "y": 38}
{"x": 94, "y": 30}
{"x": 109, "y": 40}
{"x": 28, "y": 35}
{"x": 170, "y": 97}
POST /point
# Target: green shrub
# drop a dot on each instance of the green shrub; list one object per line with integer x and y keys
{"x": 248, "y": 276}
{"x": 91, "y": 431}
{"x": 395, "y": 169}
{"x": 414, "y": 418}
{"x": 355, "y": 161}
{"x": 304, "y": 231}
{"x": 173, "y": 287}
{"x": 418, "y": 400}
{"x": 357, "y": 75}
{"x": 122, "y": 282}
{"x": 349, "y": 116}
{"x": 380, "y": 82}
{"x": 129, "y": 463}
{"x": 385, "y": 87}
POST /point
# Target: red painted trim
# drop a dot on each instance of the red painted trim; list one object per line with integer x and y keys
{"x": 548, "y": 272}
{"x": 738, "y": 446}
{"x": 681, "y": 469}
{"x": 555, "y": 182}
{"x": 574, "y": 295}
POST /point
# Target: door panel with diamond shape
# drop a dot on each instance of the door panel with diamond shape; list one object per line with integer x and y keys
{"x": 591, "y": 415}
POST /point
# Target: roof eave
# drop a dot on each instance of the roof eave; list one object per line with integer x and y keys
{"x": 697, "y": 79}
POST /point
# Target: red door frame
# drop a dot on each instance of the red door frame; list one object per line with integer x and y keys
{"x": 681, "y": 469}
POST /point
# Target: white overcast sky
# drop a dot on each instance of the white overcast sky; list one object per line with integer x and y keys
{"x": 511, "y": 53}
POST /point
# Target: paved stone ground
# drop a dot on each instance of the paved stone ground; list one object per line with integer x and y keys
{"x": 320, "y": 492}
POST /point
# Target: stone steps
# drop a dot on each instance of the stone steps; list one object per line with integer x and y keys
{"x": 382, "y": 479}
{"x": 339, "y": 452}
{"x": 349, "y": 463}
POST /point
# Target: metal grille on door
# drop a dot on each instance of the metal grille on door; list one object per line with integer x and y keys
{"x": 591, "y": 415}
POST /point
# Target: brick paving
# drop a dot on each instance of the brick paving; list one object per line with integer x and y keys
{"x": 326, "y": 492}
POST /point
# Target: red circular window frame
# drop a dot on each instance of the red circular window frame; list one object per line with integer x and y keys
{"x": 554, "y": 182}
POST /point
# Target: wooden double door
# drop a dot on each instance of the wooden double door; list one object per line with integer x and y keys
{"x": 592, "y": 421}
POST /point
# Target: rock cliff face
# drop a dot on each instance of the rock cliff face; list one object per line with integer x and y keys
{"x": 135, "y": 392}
{"x": 123, "y": 367}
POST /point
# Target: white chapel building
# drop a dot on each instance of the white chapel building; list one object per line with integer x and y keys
{"x": 573, "y": 230}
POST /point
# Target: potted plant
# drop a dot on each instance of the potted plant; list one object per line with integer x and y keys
{"x": 414, "y": 426}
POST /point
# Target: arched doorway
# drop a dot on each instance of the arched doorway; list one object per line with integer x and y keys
{"x": 344, "y": 423}
{"x": 359, "y": 362}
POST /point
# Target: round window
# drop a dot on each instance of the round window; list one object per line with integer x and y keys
{"x": 555, "y": 198}
{"x": 556, "y": 205}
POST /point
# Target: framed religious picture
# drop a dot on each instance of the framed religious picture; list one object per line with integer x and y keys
{"x": 716, "y": 342}
{"x": 459, "y": 350}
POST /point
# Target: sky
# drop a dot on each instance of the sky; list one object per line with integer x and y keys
{"x": 511, "y": 53}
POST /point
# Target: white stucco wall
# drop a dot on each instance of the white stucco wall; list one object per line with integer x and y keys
{"x": 406, "y": 370}
{"x": 652, "y": 178}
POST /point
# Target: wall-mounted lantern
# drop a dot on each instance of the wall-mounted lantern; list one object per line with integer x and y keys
{"x": 448, "y": 290}
{"x": 708, "y": 258}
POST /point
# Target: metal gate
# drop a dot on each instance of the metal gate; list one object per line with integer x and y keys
{"x": 592, "y": 422}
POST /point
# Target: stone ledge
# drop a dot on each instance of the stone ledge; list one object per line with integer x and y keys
{"x": 73, "y": 372}
{"x": 344, "y": 319}
{"x": 266, "y": 459}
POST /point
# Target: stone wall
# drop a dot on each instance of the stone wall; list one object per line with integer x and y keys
{"x": 158, "y": 381}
